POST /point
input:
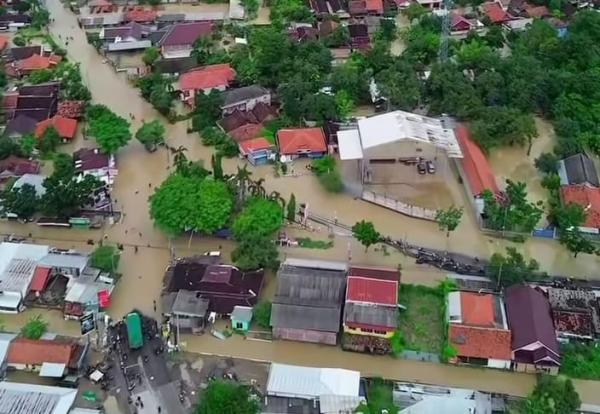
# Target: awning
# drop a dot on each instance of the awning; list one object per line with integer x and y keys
{"x": 96, "y": 376}
{"x": 53, "y": 370}
{"x": 41, "y": 276}
{"x": 349, "y": 145}
{"x": 104, "y": 298}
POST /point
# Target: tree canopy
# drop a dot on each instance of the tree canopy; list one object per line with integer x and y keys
{"x": 35, "y": 327}
{"x": 552, "y": 395}
{"x": 512, "y": 268}
{"x": 365, "y": 233}
{"x": 151, "y": 134}
{"x": 185, "y": 203}
{"x": 260, "y": 218}
{"x": 514, "y": 213}
{"x": 22, "y": 201}
{"x": 449, "y": 219}
{"x": 110, "y": 130}
{"x": 225, "y": 397}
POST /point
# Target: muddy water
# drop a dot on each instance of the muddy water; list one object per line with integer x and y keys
{"x": 139, "y": 171}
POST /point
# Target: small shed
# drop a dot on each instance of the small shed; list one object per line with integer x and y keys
{"x": 241, "y": 318}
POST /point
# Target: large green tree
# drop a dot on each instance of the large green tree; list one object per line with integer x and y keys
{"x": 514, "y": 213}
{"x": 110, "y": 130}
{"x": 35, "y": 327}
{"x": 184, "y": 203}
{"x": 255, "y": 253}
{"x": 22, "y": 201}
{"x": 449, "y": 219}
{"x": 49, "y": 140}
{"x": 151, "y": 134}
{"x": 552, "y": 395}
{"x": 226, "y": 397}
{"x": 260, "y": 218}
{"x": 570, "y": 218}
{"x": 512, "y": 268}
{"x": 365, "y": 233}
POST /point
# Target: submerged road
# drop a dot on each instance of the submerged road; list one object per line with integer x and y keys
{"x": 142, "y": 272}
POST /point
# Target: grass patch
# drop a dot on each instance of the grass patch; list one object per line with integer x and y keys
{"x": 422, "y": 323}
{"x": 379, "y": 398}
{"x": 309, "y": 243}
{"x": 581, "y": 361}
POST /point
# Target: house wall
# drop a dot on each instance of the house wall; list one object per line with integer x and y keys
{"x": 24, "y": 367}
{"x": 247, "y": 105}
{"x": 498, "y": 363}
{"x": 403, "y": 149}
{"x": 176, "y": 51}
{"x": 303, "y": 335}
{"x": 243, "y": 325}
{"x": 534, "y": 369}
{"x": 368, "y": 332}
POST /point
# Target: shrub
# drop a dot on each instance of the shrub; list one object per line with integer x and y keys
{"x": 262, "y": 314}
{"x": 19, "y": 41}
{"x": 35, "y": 328}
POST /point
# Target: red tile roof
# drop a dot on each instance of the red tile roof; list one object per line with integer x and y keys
{"x": 460, "y": 22}
{"x": 375, "y": 6}
{"x": 495, "y": 13}
{"x": 477, "y": 309}
{"x": 71, "y": 109}
{"x": 66, "y": 127}
{"x": 299, "y": 140}
{"x": 372, "y": 289}
{"x": 40, "y": 279}
{"x": 186, "y": 33}
{"x": 255, "y": 144}
{"x": 140, "y": 15}
{"x": 208, "y": 77}
{"x": 36, "y": 352}
{"x": 246, "y": 132}
{"x": 480, "y": 342}
{"x": 537, "y": 11}
{"x": 37, "y": 62}
{"x": 588, "y": 198}
{"x": 3, "y": 42}
{"x": 475, "y": 164}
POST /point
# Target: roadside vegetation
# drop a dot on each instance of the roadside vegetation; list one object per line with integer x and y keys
{"x": 262, "y": 314}
{"x": 328, "y": 173}
{"x": 421, "y": 325}
{"x": 379, "y": 398}
{"x": 35, "y": 327}
{"x": 581, "y": 361}
{"x": 552, "y": 395}
{"x": 106, "y": 258}
{"x": 308, "y": 243}
{"x": 226, "y": 397}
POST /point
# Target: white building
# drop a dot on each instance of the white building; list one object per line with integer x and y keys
{"x": 17, "y": 266}
{"x": 336, "y": 390}
{"x": 20, "y": 398}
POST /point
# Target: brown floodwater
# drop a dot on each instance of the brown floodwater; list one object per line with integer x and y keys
{"x": 140, "y": 171}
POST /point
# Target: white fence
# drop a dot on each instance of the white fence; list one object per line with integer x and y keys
{"x": 399, "y": 206}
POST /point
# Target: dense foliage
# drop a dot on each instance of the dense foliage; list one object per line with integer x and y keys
{"x": 151, "y": 134}
{"x": 552, "y": 395}
{"x": 512, "y": 268}
{"x": 225, "y": 397}
{"x": 35, "y": 327}
{"x": 513, "y": 212}
{"x": 581, "y": 361}
{"x": 106, "y": 258}
{"x": 110, "y": 130}
{"x": 185, "y": 203}
{"x": 365, "y": 233}
{"x": 449, "y": 219}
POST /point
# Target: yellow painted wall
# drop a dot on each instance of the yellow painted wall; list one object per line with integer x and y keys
{"x": 359, "y": 331}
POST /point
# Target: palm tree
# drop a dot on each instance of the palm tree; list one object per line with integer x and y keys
{"x": 276, "y": 196}
{"x": 180, "y": 161}
{"x": 242, "y": 179}
{"x": 257, "y": 189}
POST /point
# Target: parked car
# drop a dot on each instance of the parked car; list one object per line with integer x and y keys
{"x": 430, "y": 167}
{"x": 421, "y": 168}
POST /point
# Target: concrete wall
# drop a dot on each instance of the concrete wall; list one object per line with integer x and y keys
{"x": 302, "y": 335}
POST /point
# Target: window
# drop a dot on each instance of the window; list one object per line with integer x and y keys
{"x": 379, "y": 332}
{"x": 239, "y": 325}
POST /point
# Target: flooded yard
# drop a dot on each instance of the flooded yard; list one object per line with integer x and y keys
{"x": 513, "y": 162}
{"x": 140, "y": 285}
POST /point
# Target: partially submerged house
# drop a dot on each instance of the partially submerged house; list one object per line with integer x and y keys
{"x": 475, "y": 169}
{"x": 534, "y": 343}
{"x": 187, "y": 310}
{"x": 302, "y": 142}
{"x": 92, "y": 161}
{"x": 132, "y": 36}
{"x": 224, "y": 286}
{"x": 578, "y": 169}
{"x": 478, "y": 329}
{"x": 575, "y": 313}
{"x": 178, "y": 40}
{"x": 331, "y": 390}
{"x": 18, "y": 262}
{"x": 371, "y": 309}
{"x": 308, "y": 303}
{"x": 258, "y": 151}
{"x": 49, "y": 358}
{"x": 589, "y": 199}
{"x": 204, "y": 80}
{"x": 65, "y": 127}
{"x": 14, "y": 167}
{"x": 245, "y": 98}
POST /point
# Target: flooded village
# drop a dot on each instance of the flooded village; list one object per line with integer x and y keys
{"x": 105, "y": 310}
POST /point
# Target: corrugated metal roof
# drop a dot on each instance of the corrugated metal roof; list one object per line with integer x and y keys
{"x": 78, "y": 261}
{"x": 306, "y": 382}
{"x": 25, "y": 398}
{"x": 51, "y": 369}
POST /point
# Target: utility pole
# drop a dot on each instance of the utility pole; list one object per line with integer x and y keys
{"x": 446, "y": 26}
